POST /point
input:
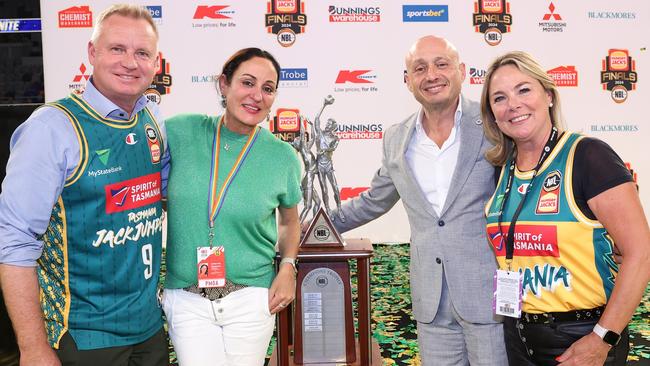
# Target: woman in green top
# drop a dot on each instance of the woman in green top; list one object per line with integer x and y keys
{"x": 227, "y": 181}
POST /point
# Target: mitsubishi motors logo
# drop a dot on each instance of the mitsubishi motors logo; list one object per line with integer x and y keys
{"x": 552, "y": 14}
{"x": 82, "y": 76}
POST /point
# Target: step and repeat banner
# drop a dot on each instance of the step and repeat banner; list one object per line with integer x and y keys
{"x": 354, "y": 51}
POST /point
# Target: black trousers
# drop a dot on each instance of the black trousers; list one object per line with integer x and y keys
{"x": 539, "y": 344}
{"x": 152, "y": 352}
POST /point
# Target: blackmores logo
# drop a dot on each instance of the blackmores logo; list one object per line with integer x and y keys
{"x": 285, "y": 125}
{"x": 618, "y": 75}
{"x": 354, "y": 15}
{"x": 552, "y": 21}
{"x": 76, "y": 17}
{"x": 492, "y": 18}
{"x": 564, "y": 75}
{"x": 476, "y": 76}
{"x": 162, "y": 81}
{"x": 286, "y": 18}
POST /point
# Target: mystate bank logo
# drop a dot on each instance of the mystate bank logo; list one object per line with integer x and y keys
{"x": 286, "y": 19}
{"x": 492, "y": 18}
{"x": 133, "y": 193}
{"x": 618, "y": 75}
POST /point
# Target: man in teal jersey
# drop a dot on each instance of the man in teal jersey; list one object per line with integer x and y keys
{"x": 81, "y": 214}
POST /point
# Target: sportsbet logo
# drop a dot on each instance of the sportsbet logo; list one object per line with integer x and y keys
{"x": 132, "y": 193}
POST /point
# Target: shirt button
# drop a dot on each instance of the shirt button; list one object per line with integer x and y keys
{"x": 438, "y": 260}
{"x": 441, "y": 223}
{"x": 220, "y": 310}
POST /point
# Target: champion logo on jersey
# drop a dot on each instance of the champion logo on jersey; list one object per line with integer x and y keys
{"x": 130, "y": 139}
{"x": 523, "y": 188}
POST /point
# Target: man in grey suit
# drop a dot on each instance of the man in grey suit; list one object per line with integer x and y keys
{"x": 434, "y": 161}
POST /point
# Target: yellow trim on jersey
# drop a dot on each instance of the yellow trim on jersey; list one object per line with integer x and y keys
{"x": 83, "y": 145}
{"x": 66, "y": 273}
{"x": 115, "y": 123}
{"x": 556, "y": 150}
{"x": 568, "y": 187}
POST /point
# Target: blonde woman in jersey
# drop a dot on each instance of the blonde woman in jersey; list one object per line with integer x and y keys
{"x": 564, "y": 203}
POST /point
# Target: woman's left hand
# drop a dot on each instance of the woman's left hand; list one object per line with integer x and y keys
{"x": 283, "y": 289}
{"x": 589, "y": 350}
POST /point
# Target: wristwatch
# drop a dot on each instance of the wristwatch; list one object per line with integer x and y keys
{"x": 291, "y": 261}
{"x": 608, "y": 336}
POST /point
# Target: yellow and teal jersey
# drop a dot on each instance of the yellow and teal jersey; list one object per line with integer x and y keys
{"x": 102, "y": 249}
{"x": 564, "y": 257}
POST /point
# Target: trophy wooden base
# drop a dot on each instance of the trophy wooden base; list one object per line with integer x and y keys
{"x": 376, "y": 358}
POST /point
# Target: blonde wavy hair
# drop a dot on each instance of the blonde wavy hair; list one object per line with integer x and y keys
{"x": 504, "y": 146}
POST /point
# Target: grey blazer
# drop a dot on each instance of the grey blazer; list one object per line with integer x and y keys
{"x": 454, "y": 241}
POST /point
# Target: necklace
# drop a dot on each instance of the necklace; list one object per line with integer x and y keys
{"x": 226, "y": 147}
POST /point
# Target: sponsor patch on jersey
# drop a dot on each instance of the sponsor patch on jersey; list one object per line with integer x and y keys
{"x": 152, "y": 140}
{"x": 133, "y": 193}
{"x": 530, "y": 240}
{"x": 549, "y": 196}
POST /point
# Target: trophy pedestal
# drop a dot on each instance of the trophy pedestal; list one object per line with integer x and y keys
{"x": 323, "y": 265}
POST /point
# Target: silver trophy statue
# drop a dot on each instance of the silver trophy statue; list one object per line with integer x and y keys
{"x": 318, "y": 163}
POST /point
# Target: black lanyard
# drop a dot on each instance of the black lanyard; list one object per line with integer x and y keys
{"x": 510, "y": 239}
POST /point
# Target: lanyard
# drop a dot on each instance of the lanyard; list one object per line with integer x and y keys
{"x": 216, "y": 198}
{"x": 510, "y": 239}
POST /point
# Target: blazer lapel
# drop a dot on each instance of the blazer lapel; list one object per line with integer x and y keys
{"x": 471, "y": 138}
{"x": 406, "y": 169}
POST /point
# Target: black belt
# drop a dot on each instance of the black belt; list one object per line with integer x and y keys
{"x": 566, "y": 316}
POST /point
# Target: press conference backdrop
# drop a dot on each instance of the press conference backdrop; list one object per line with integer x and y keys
{"x": 354, "y": 50}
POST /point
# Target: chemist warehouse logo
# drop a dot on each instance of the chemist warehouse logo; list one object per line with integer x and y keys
{"x": 564, "y": 75}
{"x": 132, "y": 193}
{"x": 618, "y": 75}
{"x": 76, "y": 17}
{"x": 530, "y": 240}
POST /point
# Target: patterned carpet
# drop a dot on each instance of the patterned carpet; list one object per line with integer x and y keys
{"x": 394, "y": 327}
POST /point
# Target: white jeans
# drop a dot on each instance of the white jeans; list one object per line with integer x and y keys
{"x": 232, "y": 331}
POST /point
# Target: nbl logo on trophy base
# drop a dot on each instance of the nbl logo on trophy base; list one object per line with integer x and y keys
{"x": 618, "y": 75}
{"x": 286, "y": 18}
{"x": 492, "y": 18}
{"x": 286, "y": 124}
{"x": 162, "y": 81}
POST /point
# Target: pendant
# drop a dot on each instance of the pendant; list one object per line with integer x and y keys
{"x": 226, "y": 147}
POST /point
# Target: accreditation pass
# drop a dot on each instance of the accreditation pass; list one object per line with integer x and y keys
{"x": 507, "y": 293}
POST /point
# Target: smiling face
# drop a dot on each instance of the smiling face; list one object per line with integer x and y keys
{"x": 250, "y": 94}
{"x": 520, "y": 105}
{"x": 124, "y": 58}
{"x": 433, "y": 73}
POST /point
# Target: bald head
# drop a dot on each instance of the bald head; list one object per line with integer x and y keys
{"x": 440, "y": 44}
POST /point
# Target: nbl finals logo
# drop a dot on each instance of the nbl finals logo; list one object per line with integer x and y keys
{"x": 286, "y": 18}
{"x": 492, "y": 18}
{"x": 618, "y": 75}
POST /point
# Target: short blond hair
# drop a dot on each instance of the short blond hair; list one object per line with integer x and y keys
{"x": 503, "y": 145}
{"x": 125, "y": 10}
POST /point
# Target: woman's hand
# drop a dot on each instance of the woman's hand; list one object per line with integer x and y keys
{"x": 283, "y": 289}
{"x": 589, "y": 350}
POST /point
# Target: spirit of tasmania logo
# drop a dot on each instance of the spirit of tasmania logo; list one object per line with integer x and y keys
{"x": 492, "y": 18}
{"x": 76, "y": 17}
{"x": 133, "y": 193}
{"x": 162, "y": 81}
{"x": 618, "y": 75}
{"x": 530, "y": 240}
{"x": 564, "y": 75}
{"x": 286, "y": 18}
